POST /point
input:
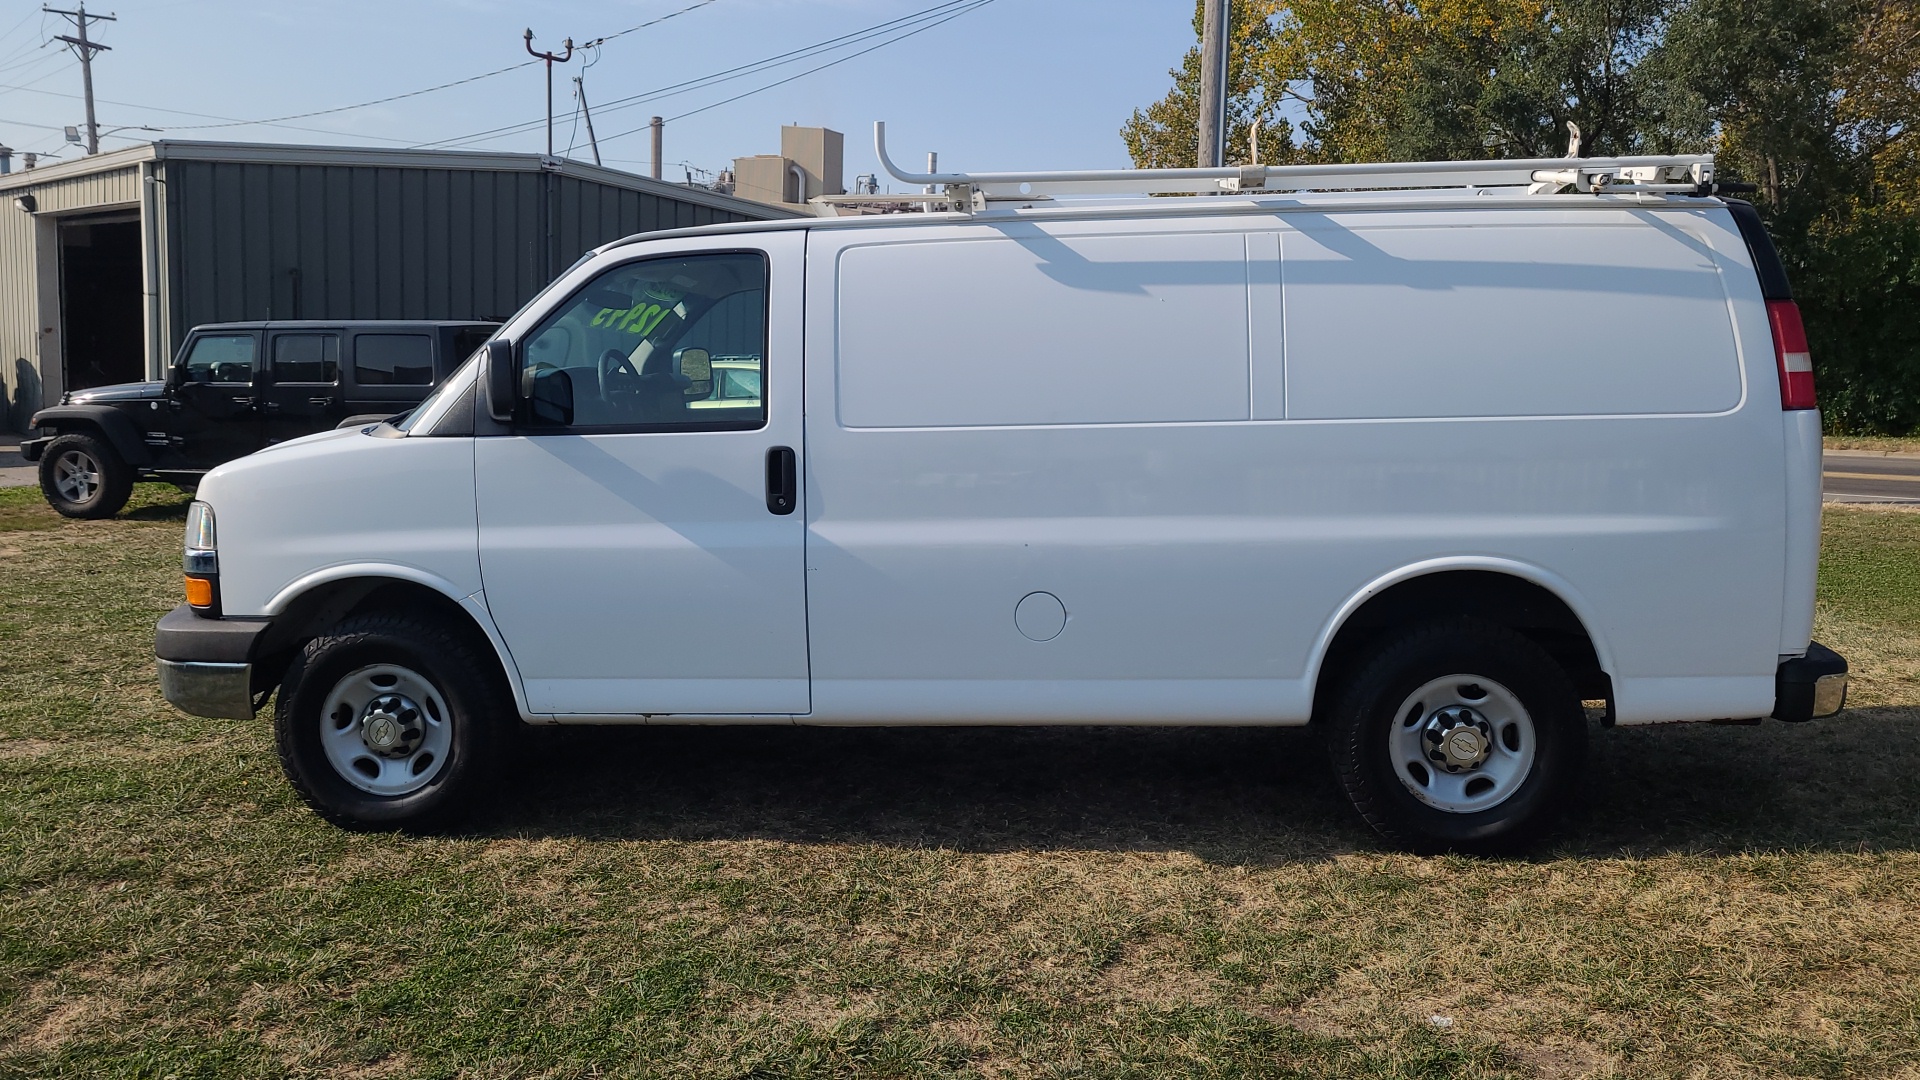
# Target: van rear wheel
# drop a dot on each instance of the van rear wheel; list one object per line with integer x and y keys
{"x": 1460, "y": 735}
{"x": 390, "y": 721}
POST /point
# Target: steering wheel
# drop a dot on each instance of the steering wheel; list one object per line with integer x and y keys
{"x": 618, "y": 379}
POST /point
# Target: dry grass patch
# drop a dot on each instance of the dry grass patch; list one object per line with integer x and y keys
{"x": 733, "y": 902}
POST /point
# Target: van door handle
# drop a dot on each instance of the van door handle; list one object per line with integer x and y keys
{"x": 321, "y": 402}
{"x": 782, "y": 480}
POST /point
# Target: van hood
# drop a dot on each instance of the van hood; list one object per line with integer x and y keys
{"x": 103, "y": 395}
{"x": 309, "y": 440}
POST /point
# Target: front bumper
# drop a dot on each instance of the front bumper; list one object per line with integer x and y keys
{"x": 31, "y": 449}
{"x": 223, "y": 691}
{"x": 206, "y": 665}
{"x": 1810, "y": 687}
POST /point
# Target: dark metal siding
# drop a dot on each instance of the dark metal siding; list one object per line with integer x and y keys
{"x": 284, "y": 241}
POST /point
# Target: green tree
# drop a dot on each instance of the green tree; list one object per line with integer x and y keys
{"x": 1812, "y": 100}
{"x": 1815, "y": 101}
{"x": 1166, "y": 134}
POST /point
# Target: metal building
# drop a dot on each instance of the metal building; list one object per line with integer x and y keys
{"x": 106, "y": 262}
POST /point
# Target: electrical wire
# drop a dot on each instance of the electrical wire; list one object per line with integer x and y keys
{"x": 185, "y": 112}
{"x": 673, "y": 89}
{"x": 613, "y": 105}
{"x": 365, "y": 104}
{"x": 434, "y": 89}
{"x": 599, "y": 41}
{"x": 978, "y": 4}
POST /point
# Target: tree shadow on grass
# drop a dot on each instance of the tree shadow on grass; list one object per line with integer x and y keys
{"x": 1238, "y": 796}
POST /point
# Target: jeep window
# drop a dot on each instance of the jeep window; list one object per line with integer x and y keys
{"x": 467, "y": 341}
{"x": 221, "y": 358}
{"x": 306, "y": 358}
{"x": 393, "y": 360}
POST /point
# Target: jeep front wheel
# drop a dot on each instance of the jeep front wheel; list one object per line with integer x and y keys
{"x": 83, "y": 477}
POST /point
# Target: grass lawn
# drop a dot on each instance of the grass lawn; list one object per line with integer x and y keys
{"x": 1732, "y": 901}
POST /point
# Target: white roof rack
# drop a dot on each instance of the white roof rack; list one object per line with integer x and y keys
{"x": 1690, "y": 174}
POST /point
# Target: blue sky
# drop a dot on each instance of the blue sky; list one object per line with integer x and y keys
{"x": 1012, "y": 84}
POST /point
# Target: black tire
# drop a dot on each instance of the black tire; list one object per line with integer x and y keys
{"x": 1363, "y": 737}
{"x": 82, "y": 476}
{"x": 476, "y": 707}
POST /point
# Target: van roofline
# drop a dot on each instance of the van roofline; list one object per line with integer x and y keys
{"x": 1195, "y": 206}
{"x": 318, "y": 324}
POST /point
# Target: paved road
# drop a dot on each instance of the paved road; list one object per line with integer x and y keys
{"x": 1869, "y": 476}
{"x": 16, "y": 471}
{"x": 1851, "y": 475}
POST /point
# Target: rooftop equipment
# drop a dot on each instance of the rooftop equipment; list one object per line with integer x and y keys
{"x": 1672, "y": 174}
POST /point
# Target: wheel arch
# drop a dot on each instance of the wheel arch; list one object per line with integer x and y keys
{"x": 104, "y": 421}
{"x": 1528, "y": 599}
{"x": 309, "y": 607}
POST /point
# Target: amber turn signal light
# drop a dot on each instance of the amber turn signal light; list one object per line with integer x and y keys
{"x": 199, "y": 592}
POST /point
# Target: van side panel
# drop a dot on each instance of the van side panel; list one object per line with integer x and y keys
{"x": 1199, "y": 566}
{"x": 993, "y": 329}
{"x": 1602, "y": 316}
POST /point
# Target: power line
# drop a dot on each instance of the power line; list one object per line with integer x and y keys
{"x": 892, "y": 41}
{"x": 442, "y": 86}
{"x": 28, "y": 87}
{"x": 85, "y": 49}
{"x": 727, "y": 75}
{"x": 651, "y": 22}
{"x": 364, "y": 104}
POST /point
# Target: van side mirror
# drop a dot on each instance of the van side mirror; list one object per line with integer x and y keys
{"x": 550, "y": 398}
{"x": 696, "y": 366}
{"x": 501, "y": 373}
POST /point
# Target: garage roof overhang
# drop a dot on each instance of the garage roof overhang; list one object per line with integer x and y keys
{"x": 377, "y": 157}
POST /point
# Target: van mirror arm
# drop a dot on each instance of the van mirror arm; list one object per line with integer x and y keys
{"x": 502, "y": 383}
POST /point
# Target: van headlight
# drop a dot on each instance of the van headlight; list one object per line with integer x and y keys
{"x": 202, "y": 560}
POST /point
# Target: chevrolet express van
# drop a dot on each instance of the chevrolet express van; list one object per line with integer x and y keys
{"x": 1435, "y": 470}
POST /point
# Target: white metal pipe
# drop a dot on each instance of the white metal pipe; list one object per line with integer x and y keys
{"x": 1277, "y": 177}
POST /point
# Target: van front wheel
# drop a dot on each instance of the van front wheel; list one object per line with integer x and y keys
{"x": 1461, "y": 735}
{"x": 390, "y": 721}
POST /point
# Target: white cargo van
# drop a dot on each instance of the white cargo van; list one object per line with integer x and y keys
{"x": 1426, "y": 456}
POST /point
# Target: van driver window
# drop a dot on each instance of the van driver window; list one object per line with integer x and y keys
{"x": 221, "y": 358}
{"x": 665, "y": 344}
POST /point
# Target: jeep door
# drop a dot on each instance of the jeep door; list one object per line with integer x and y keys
{"x": 641, "y": 556}
{"x": 391, "y": 369}
{"x": 213, "y": 415}
{"x": 302, "y": 393}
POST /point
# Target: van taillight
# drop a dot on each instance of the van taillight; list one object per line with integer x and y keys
{"x": 1790, "y": 352}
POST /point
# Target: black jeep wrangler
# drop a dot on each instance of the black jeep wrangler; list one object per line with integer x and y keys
{"x": 235, "y": 388}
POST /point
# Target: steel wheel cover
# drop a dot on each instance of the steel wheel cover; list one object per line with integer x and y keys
{"x": 1462, "y": 744}
{"x": 386, "y": 730}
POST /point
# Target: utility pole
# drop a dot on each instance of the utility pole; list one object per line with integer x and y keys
{"x": 550, "y": 59}
{"x": 580, "y": 88}
{"x": 1213, "y": 84}
{"x": 84, "y": 49}
{"x": 659, "y": 130}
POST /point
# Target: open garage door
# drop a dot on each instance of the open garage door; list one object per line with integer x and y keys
{"x": 102, "y": 328}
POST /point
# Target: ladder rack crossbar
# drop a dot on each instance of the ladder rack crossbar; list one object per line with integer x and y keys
{"x": 1672, "y": 173}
